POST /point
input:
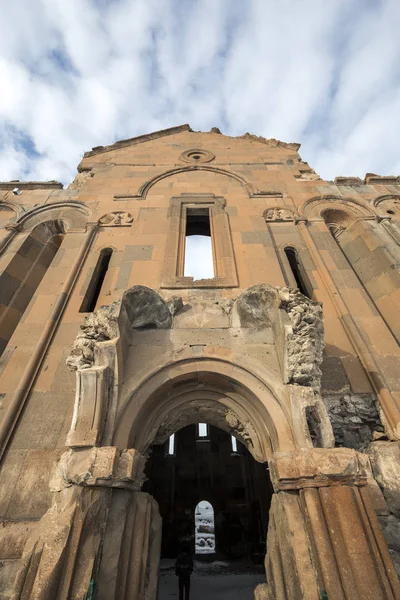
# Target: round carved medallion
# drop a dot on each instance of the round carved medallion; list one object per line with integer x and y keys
{"x": 197, "y": 156}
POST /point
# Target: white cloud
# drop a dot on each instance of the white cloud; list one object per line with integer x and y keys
{"x": 82, "y": 73}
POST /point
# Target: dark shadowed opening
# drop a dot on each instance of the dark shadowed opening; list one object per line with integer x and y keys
{"x": 95, "y": 285}
{"x": 298, "y": 271}
{"x": 237, "y": 486}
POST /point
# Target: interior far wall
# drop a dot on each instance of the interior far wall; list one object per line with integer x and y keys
{"x": 237, "y": 486}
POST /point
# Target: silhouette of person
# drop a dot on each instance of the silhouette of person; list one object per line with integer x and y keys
{"x": 183, "y": 570}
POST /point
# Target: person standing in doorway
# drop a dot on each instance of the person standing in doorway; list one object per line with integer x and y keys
{"x": 183, "y": 570}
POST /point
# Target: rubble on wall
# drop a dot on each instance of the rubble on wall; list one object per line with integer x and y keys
{"x": 305, "y": 343}
{"x": 385, "y": 463}
{"x": 354, "y": 418}
{"x": 144, "y": 308}
{"x": 98, "y": 326}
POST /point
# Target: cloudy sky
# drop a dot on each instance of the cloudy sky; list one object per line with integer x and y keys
{"x": 80, "y": 73}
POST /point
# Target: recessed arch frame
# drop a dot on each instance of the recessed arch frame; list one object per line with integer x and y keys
{"x": 73, "y": 215}
{"x": 234, "y": 397}
{"x": 314, "y": 207}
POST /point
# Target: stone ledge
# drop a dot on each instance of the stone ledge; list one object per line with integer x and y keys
{"x": 372, "y": 179}
{"x": 31, "y": 185}
{"x": 348, "y": 181}
{"x": 106, "y": 466}
{"x": 318, "y": 467}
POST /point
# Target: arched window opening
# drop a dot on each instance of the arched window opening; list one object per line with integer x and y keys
{"x": 298, "y": 271}
{"x": 204, "y": 528}
{"x": 199, "y": 262}
{"x": 96, "y": 282}
{"x": 19, "y": 281}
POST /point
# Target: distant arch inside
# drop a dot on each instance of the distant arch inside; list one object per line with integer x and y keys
{"x": 204, "y": 523}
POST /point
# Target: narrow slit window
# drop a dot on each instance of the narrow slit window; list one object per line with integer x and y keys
{"x": 202, "y": 430}
{"x": 199, "y": 262}
{"x": 95, "y": 285}
{"x": 297, "y": 270}
{"x": 234, "y": 444}
{"x": 171, "y": 445}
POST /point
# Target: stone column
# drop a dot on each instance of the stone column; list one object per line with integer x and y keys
{"x": 324, "y": 534}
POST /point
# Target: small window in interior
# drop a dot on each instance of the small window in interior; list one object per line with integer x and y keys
{"x": 95, "y": 285}
{"x": 199, "y": 262}
{"x": 202, "y": 430}
{"x": 234, "y": 444}
{"x": 171, "y": 445}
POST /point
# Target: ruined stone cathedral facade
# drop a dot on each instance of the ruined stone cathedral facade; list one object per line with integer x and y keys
{"x": 108, "y": 347}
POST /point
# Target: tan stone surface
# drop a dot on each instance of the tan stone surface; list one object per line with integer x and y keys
{"x": 122, "y": 198}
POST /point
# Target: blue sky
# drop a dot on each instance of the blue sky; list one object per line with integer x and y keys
{"x": 80, "y": 73}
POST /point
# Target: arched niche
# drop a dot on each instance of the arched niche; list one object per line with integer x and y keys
{"x": 204, "y": 528}
{"x": 388, "y": 205}
{"x": 218, "y": 392}
{"x": 334, "y": 208}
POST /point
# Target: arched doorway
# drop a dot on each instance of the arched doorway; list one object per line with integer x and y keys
{"x": 166, "y": 408}
{"x": 237, "y": 488}
{"x": 213, "y": 495}
{"x": 204, "y": 528}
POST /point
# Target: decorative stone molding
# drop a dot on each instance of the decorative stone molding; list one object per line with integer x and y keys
{"x": 349, "y": 209}
{"x": 73, "y": 215}
{"x": 314, "y": 468}
{"x": 278, "y": 215}
{"x": 389, "y": 205}
{"x": 197, "y": 156}
{"x": 16, "y": 227}
{"x": 146, "y": 187}
{"x": 116, "y": 219}
{"x": 31, "y": 185}
{"x": 106, "y": 466}
{"x": 98, "y": 326}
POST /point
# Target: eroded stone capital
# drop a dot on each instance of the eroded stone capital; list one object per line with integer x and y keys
{"x": 318, "y": 467}
{"x": 107, "y": 466}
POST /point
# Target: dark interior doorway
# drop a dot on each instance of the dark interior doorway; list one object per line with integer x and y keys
{"x": 192, "y": 468}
